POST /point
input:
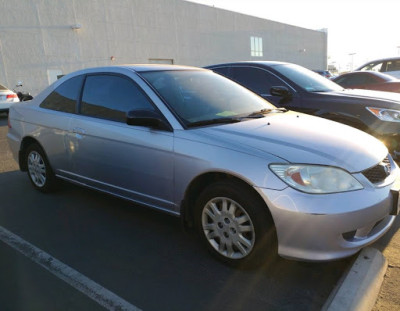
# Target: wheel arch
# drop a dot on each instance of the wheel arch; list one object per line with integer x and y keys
{"x": 198, "y": 184}
{"x": 25, "y": 143}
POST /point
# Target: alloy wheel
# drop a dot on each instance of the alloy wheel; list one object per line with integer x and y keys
{"x": 228, "y": 227}
{"x": 37, "y": 168}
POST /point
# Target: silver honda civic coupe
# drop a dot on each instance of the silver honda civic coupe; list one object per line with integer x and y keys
{"x": 251, "y": 178}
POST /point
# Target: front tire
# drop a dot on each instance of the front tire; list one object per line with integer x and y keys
{"x": 39, "y": 170}
{"x": 235, "y": 225}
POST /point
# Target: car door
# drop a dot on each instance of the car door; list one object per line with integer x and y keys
{"x": 135, "y": 162}
{"x": 59, "y": 107}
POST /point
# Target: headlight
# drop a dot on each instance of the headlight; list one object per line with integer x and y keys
{"x": 315, "y": 178}
{"x": 385, "y": 114}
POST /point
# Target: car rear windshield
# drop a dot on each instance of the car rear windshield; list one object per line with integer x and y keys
{"x": 197, "y": 96}
{"x": 307, "y": 79}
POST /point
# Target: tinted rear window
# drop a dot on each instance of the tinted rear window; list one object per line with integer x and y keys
{"x": 393, "y": 65}
{"x": 64, "y": 97}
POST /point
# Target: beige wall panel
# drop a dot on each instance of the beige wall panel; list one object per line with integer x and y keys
{"x": 36, "y": 37}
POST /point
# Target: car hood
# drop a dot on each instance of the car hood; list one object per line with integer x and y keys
{"x": 390, "y": 97}
{"x": 300, "y": 138}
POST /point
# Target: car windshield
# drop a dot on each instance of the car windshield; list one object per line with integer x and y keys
{"x": 202, "y": 97}
{"x": 307, "y": 79}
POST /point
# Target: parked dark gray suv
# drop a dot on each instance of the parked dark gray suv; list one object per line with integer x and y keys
{"x": 297, "y": 88}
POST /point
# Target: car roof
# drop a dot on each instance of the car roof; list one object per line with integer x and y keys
{"x": 261, "y": 63}
{"x": 132, "y": 67}
{"x": 371, "y": 72}
{"x": 157, "y": 67}
{"x": 379, "y": 60}
{"x": 138, "y": 68}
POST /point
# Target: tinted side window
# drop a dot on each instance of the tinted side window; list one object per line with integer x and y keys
{"x": 257, "y": 80}
{"x": 224, "y": 71}
{"x": 373, "y": 67}
{"x": 111, "y": 97}
{"x": 356, "y": 79}
{"x": 393, "y": 65}
{"x": 370, "y": 79}
{"x": 64, "y": 97}
{"x": 343, "y": 81}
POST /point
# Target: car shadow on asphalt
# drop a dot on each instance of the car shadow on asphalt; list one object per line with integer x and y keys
{"x": 385, "y": 240}
{"x": 142, "y": 253}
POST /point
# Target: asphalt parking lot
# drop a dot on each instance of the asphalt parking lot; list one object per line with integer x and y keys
{"x": 140, "y": 256}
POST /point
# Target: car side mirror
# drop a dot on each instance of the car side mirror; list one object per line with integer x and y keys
{"x": 147, "y": 118}
{"x": 281, "y": 91}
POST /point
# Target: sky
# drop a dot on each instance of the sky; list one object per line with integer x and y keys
{"x": 367, "y": 29}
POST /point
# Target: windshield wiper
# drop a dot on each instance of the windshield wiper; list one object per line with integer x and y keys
{"x": 256, "y": 114}
{"x": 214, "y": 121}
{"x": 262, "y": 112}
{"x": 322, "y": 91}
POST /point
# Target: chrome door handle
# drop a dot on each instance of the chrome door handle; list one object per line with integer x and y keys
{"x": 78, "y": 130}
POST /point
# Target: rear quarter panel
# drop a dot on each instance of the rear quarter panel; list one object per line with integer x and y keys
{"x": 48, "y": 128}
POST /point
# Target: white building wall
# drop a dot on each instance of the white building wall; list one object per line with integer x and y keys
{"x": 37, "y": 39}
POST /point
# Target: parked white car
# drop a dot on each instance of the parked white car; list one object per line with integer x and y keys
{"x": 7, "y": 98}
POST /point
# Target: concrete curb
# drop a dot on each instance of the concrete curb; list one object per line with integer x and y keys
{"x": 359, "y": 289}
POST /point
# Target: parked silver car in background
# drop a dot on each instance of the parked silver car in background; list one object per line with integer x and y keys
{"x": 7, "y": 98}
{"x": 247, "y": 175}
{"x": 389, "y": 66}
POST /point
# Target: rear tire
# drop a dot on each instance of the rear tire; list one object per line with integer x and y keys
{"x": 235, "y": 225}
{"x": 39, "y": 171}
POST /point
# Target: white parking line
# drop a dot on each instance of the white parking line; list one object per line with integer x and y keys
{"x": 80, "y": 282}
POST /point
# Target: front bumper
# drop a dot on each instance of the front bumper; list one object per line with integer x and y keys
{"x": 331, "y": 226}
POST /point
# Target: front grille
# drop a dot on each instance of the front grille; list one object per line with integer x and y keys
{"x": 379, "y": 172}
